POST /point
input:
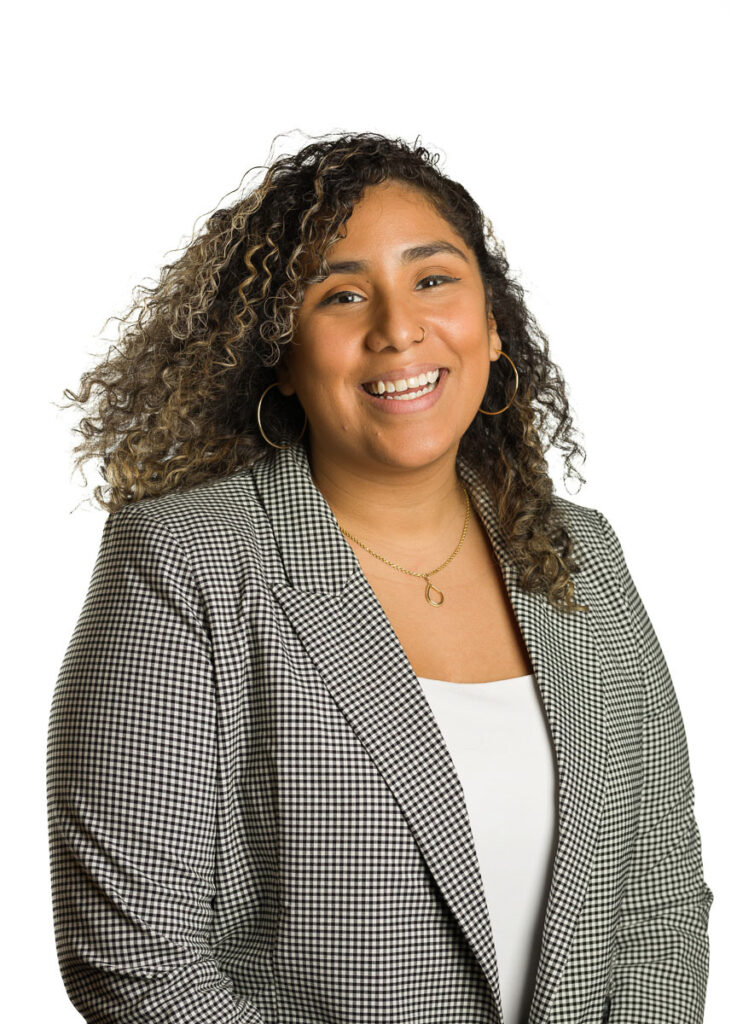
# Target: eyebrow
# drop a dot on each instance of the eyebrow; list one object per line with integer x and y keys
{"x": 412, "y": 255}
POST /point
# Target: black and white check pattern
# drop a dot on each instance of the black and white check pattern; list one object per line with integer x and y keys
{"x": 254, "y": 817}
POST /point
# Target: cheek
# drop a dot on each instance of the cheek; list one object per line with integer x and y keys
{"x": 475, "y": 348}
{"x": 326, "y": 395}
{"x": 466, "y": 327}
{"x": 309, "y": 371}
{"x": 327, "y": 375}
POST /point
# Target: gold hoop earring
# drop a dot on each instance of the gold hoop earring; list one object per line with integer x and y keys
{"x": 261, "y": 429}
{"x": 484, "y": 411}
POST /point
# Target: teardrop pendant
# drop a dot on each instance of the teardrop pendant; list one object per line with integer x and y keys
{"x": 427, "y": 593}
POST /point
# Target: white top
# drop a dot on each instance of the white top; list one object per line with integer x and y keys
{"x": 500, "y": 744}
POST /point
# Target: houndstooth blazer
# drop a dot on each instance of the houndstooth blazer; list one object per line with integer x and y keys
{"x": 253, "y": 815}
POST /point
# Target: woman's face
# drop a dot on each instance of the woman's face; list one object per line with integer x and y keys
{"x": 366, "y": 323}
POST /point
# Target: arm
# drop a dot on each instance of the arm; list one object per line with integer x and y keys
{"x": 661, "y": 960}
{"x": 131, "y": 785}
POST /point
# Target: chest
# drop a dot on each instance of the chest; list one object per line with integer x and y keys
{"x": 473, "y": 636}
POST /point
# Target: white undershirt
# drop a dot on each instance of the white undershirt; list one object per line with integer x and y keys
{"x": 500, "y": 744}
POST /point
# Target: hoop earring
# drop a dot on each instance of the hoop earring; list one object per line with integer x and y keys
{"x": 484, "y": 411}
{"x": 261, "y": 429}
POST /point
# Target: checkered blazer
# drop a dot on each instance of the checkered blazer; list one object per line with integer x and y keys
{"x": 253, "y": 815}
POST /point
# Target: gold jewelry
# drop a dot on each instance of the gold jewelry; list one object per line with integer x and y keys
{"x": 484, "y": 411}
{"x": 261, "y": 429}
{"x": 423, "y": 575}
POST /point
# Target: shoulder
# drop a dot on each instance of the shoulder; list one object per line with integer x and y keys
{"x": 603, "y": 569}
{"x": 213, "y": 513}
{"x": 595, "y": 541}
{"x": 209, "y": 498}
{"x": 585, "y": 524}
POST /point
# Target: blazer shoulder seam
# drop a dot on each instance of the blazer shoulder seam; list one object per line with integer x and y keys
{"x": 149, "y": 517}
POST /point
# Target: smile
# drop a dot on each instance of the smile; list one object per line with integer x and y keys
{"x": 407, "y": 387}
{"x": 412, "y": 394}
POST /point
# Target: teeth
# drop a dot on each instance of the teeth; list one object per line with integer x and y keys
{"x": 412, "y": 395}
{"x": 380, "y": 387}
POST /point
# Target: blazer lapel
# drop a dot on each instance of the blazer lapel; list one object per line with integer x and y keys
{"x": 568, "y": 672}
{"x": 349, "y": 638}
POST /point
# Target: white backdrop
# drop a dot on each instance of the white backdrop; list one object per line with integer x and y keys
{"x": 595, "y": 138}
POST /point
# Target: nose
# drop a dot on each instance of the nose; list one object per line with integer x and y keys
{"x": 395, "y": 325}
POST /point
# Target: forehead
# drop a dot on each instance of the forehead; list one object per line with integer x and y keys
{"x": 389, "y": 206}
{"x": 394, "y": 218}
{"x": 397, "y": 219}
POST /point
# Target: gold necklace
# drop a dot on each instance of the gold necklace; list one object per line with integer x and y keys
{"x": 430, "y": 588}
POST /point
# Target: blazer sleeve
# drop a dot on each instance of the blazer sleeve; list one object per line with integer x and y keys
{"x": 131, "y": 789}
{"x": 661, "y": 958}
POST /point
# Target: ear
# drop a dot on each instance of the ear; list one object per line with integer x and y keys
{"x": 284, "y": 376}
{"x": 494, "y": 343}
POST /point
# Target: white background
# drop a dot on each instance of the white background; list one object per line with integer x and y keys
{"x": 595, "y": 138}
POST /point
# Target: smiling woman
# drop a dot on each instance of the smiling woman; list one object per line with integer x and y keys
{"x": 339, "y": 346}
{"x": 327, "y": 256}
{"x": 361, "y": 721}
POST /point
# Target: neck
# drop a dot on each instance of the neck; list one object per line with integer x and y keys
{"x": 406, "y": 511}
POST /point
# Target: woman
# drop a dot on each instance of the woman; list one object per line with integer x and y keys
{"x": 334, "y": 740}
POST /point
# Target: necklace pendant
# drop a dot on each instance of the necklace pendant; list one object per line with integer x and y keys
{"x": 431, "y": 589}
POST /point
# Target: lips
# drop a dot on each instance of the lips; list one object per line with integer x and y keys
{"x": 401, "y": 385}
{"x": 403, "y": 372}
{"x": 399, "y": 403}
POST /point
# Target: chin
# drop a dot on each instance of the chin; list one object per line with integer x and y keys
{"x": 412, "y": 453}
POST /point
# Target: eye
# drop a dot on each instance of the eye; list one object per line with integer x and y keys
{"x": 330, "y": 300}
{"x": 437, "y": 277}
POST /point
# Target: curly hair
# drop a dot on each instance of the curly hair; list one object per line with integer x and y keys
{"x": 174, "y": 402}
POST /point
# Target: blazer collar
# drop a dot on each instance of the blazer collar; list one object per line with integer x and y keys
{"x": 316, "y": 556}
{"x": 325, "y": 594}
